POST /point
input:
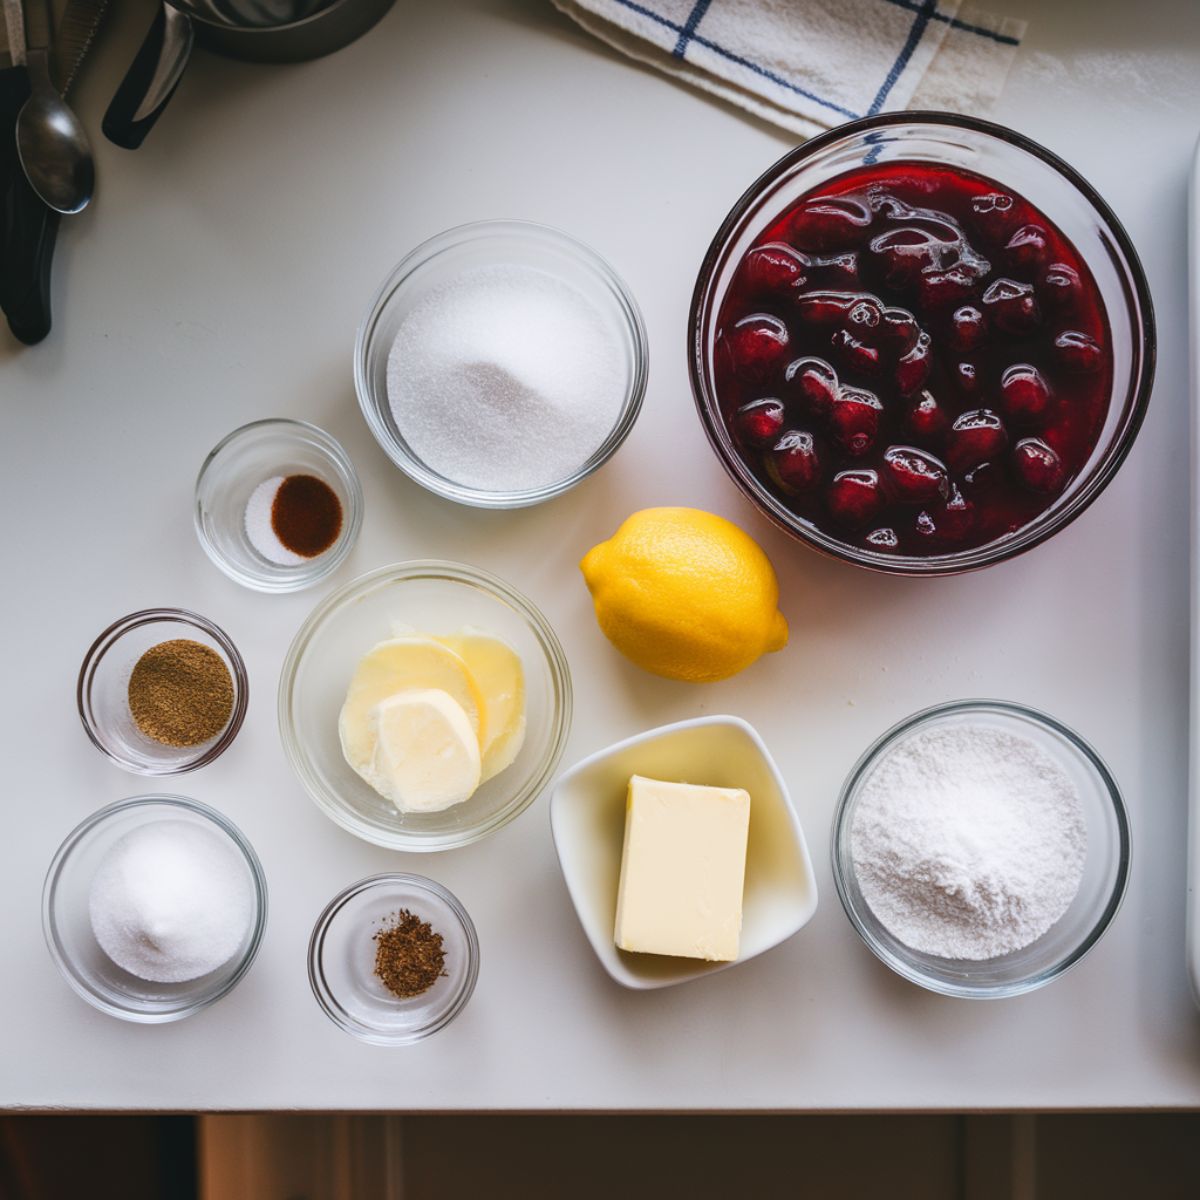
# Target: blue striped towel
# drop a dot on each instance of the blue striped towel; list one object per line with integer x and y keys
{"x": 810, "y": 64}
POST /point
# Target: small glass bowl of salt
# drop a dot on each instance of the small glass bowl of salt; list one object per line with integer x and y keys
{"x": 980, "y": 848}
{"x": 241, "y": 493}
{"x": 154, "y": 908}
{"x": 501, "y": 363}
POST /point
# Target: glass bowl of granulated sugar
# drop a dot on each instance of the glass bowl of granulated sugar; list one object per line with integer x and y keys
{"x": 501, "y": 363}
{"x": 980, "y": 848}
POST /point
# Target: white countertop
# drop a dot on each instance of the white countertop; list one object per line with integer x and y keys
{"x": 219, "y": 278}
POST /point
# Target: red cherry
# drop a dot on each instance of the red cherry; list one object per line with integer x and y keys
{"x": 954, "y": 520}
{"x": 1028, "y": 248}
{"x": 855, "y": 355}
{"x": 994, "y": 214}
{"x": 1024, "y": 393}
{"x": 899, "y": 330}
{"x": 839, "y": 271}
{"x": 1038, "y": 467}
{"x": 864, "y": 315}
{"x": 1060, "y": 288}
{"x": 968, "y": 329}
{"x": 913, "y": 369}
{"x": 976, "y": 437}
{"x": 1077, "y": 352}
{"x": 927, "y": 420}
{"x": 824, "y": 308}
{"x": 854, "y": 497}
{"x": 793, "y": 462}
{"x": 914, "y": 476}
{"x": 944, "y": 289}
{"x": 966, "y": 379}
{"x": 757, "y": 344}
{"x": 907, "y": 252}
{"x": 829, "y": 223}
{"x": 814, "y": 383}
{"x": 760, "y": 422}
{"x": 854, "y": 421}
{"x": 1012, "y": 306}
{"x": 774, "y": 270}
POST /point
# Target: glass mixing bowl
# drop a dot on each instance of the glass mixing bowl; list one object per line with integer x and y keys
{"x": 1014, "y": 161}
{"x": 426, "y": 597}
{"x": 484, "y": 244}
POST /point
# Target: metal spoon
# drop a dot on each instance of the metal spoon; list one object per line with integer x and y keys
{"x": 51, "y": 143}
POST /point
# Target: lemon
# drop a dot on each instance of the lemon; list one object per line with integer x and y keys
{"x": 685, "y": 594}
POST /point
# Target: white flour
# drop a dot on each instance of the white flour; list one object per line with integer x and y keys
{"x": 506, "y": 378}
{"x": 968, "y": 841}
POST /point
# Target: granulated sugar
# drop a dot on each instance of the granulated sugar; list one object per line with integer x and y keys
{"x": 968, "y": 841}
{"x": 260, "y": 529}
{"x": 506, "y": 378}
{"x": 171, "y": 901}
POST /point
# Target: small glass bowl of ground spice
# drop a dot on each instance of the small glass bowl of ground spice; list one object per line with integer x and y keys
{"x": 278, "y": 505}
{"x": 162, "y": 691}
{"x": 393, "y": 959}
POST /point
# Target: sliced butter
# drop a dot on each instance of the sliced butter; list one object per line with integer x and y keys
{"x": 399, "y": 665}
{"x": 496, "y": 669}
{"x": 426, "y": 755}
{"x": 682, "y": 870}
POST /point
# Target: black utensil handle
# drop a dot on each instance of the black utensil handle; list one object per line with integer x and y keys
{"x": 27, "y": 227}
{"x": 151, "y": 79}
{"x": 27, "y": 271}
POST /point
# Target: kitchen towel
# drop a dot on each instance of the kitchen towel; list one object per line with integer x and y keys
{"x": 810, "y": 64}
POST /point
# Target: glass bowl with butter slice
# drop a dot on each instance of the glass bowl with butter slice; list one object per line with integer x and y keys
{"x": 629, "y": 855}
{"x": 424, "y": 705}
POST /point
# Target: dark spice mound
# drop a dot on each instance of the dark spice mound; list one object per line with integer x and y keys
{"x": 306, "y": 515}
{"x": 409, "y": 958}
{"x": 181, "y": 693}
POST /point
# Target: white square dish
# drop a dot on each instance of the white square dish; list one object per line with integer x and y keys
{"x": 587, "y": 817}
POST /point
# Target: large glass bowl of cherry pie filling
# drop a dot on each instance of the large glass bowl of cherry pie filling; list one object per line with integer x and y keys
{"x": 921, "y": 343}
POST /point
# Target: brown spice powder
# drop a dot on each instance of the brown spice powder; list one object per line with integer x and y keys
{"x": 409, "y": 958}
{"x": 181, "y": 693}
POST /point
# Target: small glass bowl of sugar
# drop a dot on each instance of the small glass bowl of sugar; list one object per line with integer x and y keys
{"x": 164, "y": 863}
{"x": 501, "y": 363}
{"x": 265, "y": 471}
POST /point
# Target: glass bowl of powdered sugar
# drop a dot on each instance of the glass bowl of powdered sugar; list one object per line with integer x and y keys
{"x": 980, "y": 848}
{"x": 501, "y": 363}
{"x": 154, "y": 908}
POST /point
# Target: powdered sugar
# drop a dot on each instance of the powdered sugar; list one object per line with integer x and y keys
{"x": 506, "y": 378}
{"x": 968, "y": 841}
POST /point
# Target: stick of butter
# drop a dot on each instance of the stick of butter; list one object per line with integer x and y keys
{"x": 683, "y": 869}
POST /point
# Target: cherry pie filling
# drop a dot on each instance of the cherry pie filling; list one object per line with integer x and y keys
{"x": 914, "y": 359}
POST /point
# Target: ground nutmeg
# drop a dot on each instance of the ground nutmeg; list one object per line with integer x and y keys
{"x": 181, "y": 693}
{"x": 409, "y": 958}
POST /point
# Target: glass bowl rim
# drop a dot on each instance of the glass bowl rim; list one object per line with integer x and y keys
{"x": 81, "y": 831}
{"x": 457, "y": 574}
{"x": 1000, "y": 550}
{"x": 843, "y": 867}
{"x": 448, "y": 239}
{"x": 323, "y": 564}
{"x": 110, "y": 636}
{"x": 324, "y": 993}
